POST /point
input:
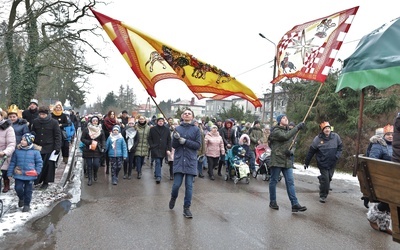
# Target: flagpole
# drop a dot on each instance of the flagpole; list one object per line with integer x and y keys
{"x": 305, "y": 117}
{"x": 158, "y": 107}
{"x": 271, "y": 121}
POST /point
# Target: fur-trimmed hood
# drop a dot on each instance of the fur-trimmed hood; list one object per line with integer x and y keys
{"x": 242, "y": 138}
{"x": 378, "y": 139}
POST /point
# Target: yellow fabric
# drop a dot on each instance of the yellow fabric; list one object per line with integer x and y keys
{"x": 152, "y": 61}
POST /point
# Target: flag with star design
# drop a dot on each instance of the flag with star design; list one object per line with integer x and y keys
{"x": 152, "y": 61}
{"x": 308, "y": 50}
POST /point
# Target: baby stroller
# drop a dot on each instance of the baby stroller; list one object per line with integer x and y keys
{"x": 237, "y": 168}
{"x": 263, "y": 160}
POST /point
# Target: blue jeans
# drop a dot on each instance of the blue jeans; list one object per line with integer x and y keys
{"x": 252, "y": 160}
{"x": 158, "y": 165}
{"x": 200, "y": 167}
{"x": 24, "y": 190}
{"x": 289, "y": 182}
{"x": 178, "y": 179}
{"x": 139, "y": 160}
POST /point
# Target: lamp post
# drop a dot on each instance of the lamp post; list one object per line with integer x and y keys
{"x": 273, "y": 85}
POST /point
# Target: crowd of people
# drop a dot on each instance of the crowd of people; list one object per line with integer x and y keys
{"x": 30, "y": 144}
{"x": 32, "y": 140}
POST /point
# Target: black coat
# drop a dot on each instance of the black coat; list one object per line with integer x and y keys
{"x": 101, "y": 143}
{"x": 159, "y": 141}
{"x": 30, "y": 115}
{"x": 47, "y": 134}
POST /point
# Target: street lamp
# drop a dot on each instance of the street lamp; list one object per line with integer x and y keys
{"x": 273, "y": 85}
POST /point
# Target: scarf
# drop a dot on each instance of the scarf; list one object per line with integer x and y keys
{"x": 114, "y": 139}
{"x": 27, "y": 147}
{"x": 109, "y": 123}
{"x": 94, "y": 131}
{"x": 130, "y": 135}
{"x": 57, "y": 113}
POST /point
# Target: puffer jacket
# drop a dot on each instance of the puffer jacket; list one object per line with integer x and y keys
{"x": 142, "y": 148}
{"x": 380, "y": 148}
{"x": 214, "y": 145}
{"x": 328, "y": 150}
{"x": 20, "y": 127}
{"x": 26, "y": 159}
{"x": 185, "y": 157}
{"x": 120, "y": 149}
{"x": 7, "y": 141}
{"x": 281, "y": 138}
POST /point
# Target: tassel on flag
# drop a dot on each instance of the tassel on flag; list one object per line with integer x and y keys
{"x": 152, "y": 61}
{"x": 308, "y": 50}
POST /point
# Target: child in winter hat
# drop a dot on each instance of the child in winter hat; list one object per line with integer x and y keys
{"x": 279, "y": 118}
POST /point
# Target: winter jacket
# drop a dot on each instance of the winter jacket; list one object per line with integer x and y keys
{"x": 214, "y": 145}
{"x": 87, "y": 140}
{"x": 20, "y": 127}
{"x": 255, "y": 135}
{"x": 30, "y": 115}
{"x": 159, "y": 141}
{"x": 185, "y": 157}
{"x": 396, "y": 140}
{"x": 70, "y": 130}
{"x": 117, "y": 148}
{"x": 142, "y": 148}
{"x": 380, "y": 148}
{"x": 228, "y": 134}
{"x": 246, "y": 146}
{"x": 47, "y": 134}
{"x": 7, "y": 141}
{"x": 26, "y": 159}
{"x": 281, "y": 138}
{"x": 61, "y": 119}
{"x": 328, "y": 150}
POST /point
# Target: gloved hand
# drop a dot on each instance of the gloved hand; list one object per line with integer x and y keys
{"x": 182, "y": 140}
{"x": 176, "y": 135}
{"x": 300, "y": 126}
{"x": 305, "y": 166}
{"x": 56, "y": 152}
{"x": 289, "y": 153}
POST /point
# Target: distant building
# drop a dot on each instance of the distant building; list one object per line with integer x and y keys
{"x": 193, "y": 104}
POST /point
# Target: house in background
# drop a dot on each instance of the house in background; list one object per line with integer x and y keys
{"x": 195, "y": 105}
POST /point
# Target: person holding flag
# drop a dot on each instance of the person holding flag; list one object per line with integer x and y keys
{"x": 280, "y": 140}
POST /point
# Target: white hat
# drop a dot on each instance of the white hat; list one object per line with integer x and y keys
{"x": 379, "y": 131}
{"x": 35, "y": 101}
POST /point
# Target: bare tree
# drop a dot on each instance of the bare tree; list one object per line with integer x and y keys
{"x": 44, "y": 42}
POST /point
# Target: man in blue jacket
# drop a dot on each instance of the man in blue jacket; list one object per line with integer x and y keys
{"x": 186, "y": 141}
{"x": 327, "y": 145}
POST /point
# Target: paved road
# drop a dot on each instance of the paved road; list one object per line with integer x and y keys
{"x": 135, "y": 215}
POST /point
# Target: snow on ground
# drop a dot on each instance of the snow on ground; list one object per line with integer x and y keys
{"x": 43, "y": 200}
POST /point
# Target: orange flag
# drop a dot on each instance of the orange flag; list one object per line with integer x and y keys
{"x": 152, "y": 61}
{"x": 308, "y": 50}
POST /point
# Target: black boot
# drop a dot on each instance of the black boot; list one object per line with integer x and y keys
{"x": 219, "y": 168}
{"x": 90, "y": 175}
{"x": 187, "y": 213}
{"x": 95, "y": 169}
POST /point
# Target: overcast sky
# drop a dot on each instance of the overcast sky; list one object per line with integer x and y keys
{"x": 224, "y": 34}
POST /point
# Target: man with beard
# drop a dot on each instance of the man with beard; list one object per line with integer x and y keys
{"x": 31, "y": 113}
{"x": 48, "y": 136}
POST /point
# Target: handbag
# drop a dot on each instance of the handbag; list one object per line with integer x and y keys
{"x": 93, "y": 145}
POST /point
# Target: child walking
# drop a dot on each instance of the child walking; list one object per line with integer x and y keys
{"x": 25, "y": 166}
{"x": 117, "y": 152}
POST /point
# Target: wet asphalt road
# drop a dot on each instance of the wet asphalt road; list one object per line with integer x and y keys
{"x": 135, "y": 215}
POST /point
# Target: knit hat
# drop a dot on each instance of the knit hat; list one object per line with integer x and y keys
{"x": 30, "y": 138}
{"x": 279, "y": 118}
{"x": 256, "y": 122}
{"x": 124, "y": 112}
{"x": 379, "y": 131}
{"x": 116, "y": 127}
{"x": 94, "y": 118}
{"x": 323, "y": 125}
{"x": 388, "y": 129}
{"x": 35, "y": 101}
{"x": 44, "y": 110}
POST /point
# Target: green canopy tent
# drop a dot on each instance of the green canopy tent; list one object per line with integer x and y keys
{"x": 375, "y": 62}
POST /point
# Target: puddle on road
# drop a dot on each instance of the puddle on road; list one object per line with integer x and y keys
{"x": 42, "y": 231}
